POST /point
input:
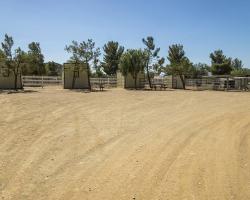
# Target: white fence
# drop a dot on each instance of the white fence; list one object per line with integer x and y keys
{"x": 107, "y": 82}
{"x": 41, "y": 81}
{"x": 232, "y": 83}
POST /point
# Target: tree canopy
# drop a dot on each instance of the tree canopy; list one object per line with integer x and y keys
{"x": 13, "y": 59}
{"x": 53, "y": 69}
{"x": 221, "y": 65}
{"x": 2, "y": 55}
{"x": 35, "y": 59}
{"x": 151, "y": 53}
{"x": 7, "y": 47}
{"x": 237, "y": 64}
{"x": 111, "y": 58}
{"x": 84, "y": 52}
{"x": 179, "y": 64}
{"x": 133, "y": 62}
{"x": 199, "y": 70}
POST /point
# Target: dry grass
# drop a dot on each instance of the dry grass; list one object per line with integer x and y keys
{"x": 59, "y": 144}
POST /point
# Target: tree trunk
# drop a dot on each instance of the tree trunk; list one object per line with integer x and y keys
{"x": 88, "y": 72}
{"x": 135, "y": 77}
{"x": 148, "y": 75}
{"x": 15, "y": 81}
{"x": 183, "y": 82}
{"x": 15, "y": 71}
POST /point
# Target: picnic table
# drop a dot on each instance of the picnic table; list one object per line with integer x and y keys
{"x": 159, "y": 85}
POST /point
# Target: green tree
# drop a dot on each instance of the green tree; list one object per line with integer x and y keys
{"x": 221, "y": 65}
{"x": 84, "y": 52}
{"x": 238, "y": 68}
{"x": 237, "y": 64}
{"x": 18, "y": 62}
{"x": 151, "y": 53}
{"x": 179, "y": 63}
{"x": 53, "y": 69}
{"x": 199, "y": 70}
{"x": 133, "y": 62}
{"x": 35, "y": 60}
{"x": 14, "y": 60}
{"x": 2, "y": 56}
{"x": 98, "y": 66}
{"x": 159, "y": 66}
{"x": 241, "y": 72}
{"x": 112, "y": 54}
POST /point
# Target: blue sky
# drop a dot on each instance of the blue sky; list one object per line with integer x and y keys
{"x": 201, "y": 26}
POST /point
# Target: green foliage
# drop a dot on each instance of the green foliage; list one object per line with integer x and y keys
{"x": 237, "y": 64}
{"x": 179, "y": 63}
{"x": 218, "y": 57}
{"x": 13, "y": 60}
{"x": 238, "y": 69}
{"x": 84, "y": 52}
{"x": 2, "y": 56}
{"x": 32, "y": 62}
{"x": 221, "y": 65}
{"x": 35, "y": 60}
{"x": 221, "y": 69}
{"x": 111, "y": 58}
{"x": 151, "y": 54}
{"x": 53, "y": 69}
{"x": 158, "y": 67}
{"x": 176, "y": 54}
{"x": 199, "y": 70}
{"x": 133, "y": 62}
{"x": 241, "y": 72}
{"x": 7, "y": 47}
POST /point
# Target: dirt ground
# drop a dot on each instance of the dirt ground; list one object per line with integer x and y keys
{"x": 125, "y": 145}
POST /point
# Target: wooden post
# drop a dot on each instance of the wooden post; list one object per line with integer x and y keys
{"x": 227, "y": 83}
{"x": 120, "y": 80}
{"x": 42, "y": 81}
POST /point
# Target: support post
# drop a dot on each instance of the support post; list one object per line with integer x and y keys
{"x": 227, "y": 83}
{"x": 42, "y": 81}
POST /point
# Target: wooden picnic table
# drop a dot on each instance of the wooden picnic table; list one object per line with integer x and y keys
{"x": 160, "y": 85}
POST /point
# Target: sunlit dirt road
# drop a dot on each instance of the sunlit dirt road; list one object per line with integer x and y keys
{"x": 124, "y": 145}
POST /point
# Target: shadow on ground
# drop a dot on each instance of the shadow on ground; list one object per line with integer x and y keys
{"x": 86, "y": 91}
{"x": 17, "y": 91}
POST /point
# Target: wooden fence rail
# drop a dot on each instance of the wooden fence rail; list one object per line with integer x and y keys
{"x": 41, "y": 81}
{"x": 107, "y": 82}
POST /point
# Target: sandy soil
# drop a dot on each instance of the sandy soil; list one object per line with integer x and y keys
{"x": 125, "y": 145}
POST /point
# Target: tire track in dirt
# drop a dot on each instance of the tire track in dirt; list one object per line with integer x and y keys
{"x": 126, "y": 144}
